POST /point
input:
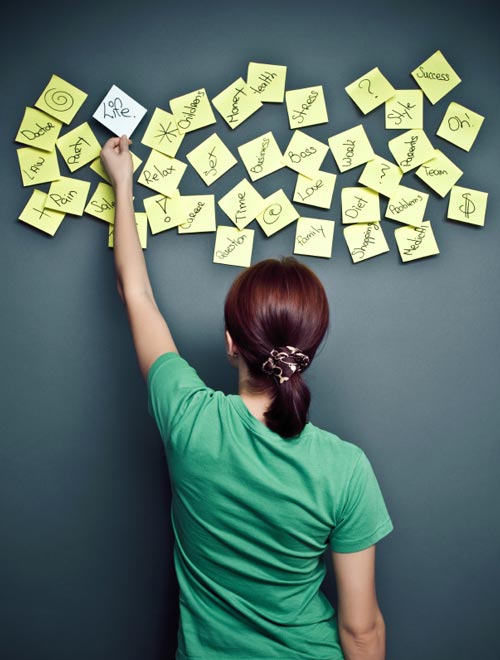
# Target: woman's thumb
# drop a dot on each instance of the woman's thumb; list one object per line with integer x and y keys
{"x": 124, "y": 142}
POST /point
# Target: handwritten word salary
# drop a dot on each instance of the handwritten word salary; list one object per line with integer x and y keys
{"x": 314, "y": 231}
{"x": 233, "y": 244}
{"x": 368, "y": 239}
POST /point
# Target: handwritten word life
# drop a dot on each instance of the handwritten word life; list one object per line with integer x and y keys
{"x": 115, "y": 109}
{"x": 233, "y": 244}
{"x": 299, "y": 115}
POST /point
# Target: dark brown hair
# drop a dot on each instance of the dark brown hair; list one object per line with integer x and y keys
{"x": 277, "y": 303}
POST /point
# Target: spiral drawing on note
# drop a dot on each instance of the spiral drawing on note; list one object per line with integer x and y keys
{"x": 58, "y": 99}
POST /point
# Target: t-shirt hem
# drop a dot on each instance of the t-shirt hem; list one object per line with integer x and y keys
{"x": 355, "y": 546}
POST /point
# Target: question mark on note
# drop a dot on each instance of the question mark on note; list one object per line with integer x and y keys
{"x": 368, "y": 86}
{"x": 383, "y": 169}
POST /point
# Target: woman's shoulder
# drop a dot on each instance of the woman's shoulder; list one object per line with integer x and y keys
{"x": 329, "y": 444}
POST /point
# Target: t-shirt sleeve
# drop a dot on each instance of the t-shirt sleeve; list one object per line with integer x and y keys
{"x": 175, "y": 391}
{"x": 363, "y": 519}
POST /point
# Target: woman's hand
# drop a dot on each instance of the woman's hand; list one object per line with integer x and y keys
{"x": 117, "y": 160}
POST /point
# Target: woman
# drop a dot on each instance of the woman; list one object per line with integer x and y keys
{"x": 258, "y": 493}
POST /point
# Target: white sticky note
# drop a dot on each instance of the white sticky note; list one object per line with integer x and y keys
{"x": 119, "y": 112}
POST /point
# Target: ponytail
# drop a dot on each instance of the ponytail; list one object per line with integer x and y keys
{"x": 272, "y": 307}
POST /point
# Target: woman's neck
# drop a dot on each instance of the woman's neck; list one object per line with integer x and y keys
{"x": 256, "y": 402}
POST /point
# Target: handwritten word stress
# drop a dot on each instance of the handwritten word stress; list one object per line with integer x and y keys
{"x": 365, "y": 240}
{"x": 460, "y": 126}
{"x": 68, "y": 195}
{"x": 119, "y": 112}
{"x": 439, "y": 173}
{"x": 306, "y": 107}
{"x": 278, "y": 212}
{"x": 37, "y": 166}
{"x": 38, "y": 130}
{"x": 370, "y": 90}
{"x": 79, "y": 147}
{"x": 162, "y": 133}
{"x": 211, "y": 159}
{"x": 351, "y": 148}
{"x": 267, "y": 81}
{"x": 163, "y": 212}
{"x": 61, "y": 99}
{"x": 315, "y": 189}
{"x": 314, "y": 237}
{"x": 236, "y": 103}
{"x": 36, "y": 215}
{"x": 261, "y": 156}
{"x": 416, "y": 242}
{"x": 304, "y": 153}
{"x": 192, "y": 111}
{"x": 435, "y": 77}
{"x": 467, "y": 205}
{"x": 242, "y": 204}
{"x": 233, "y": 247}
{"x": 162, "y": 173}
{"x": 405, "y": 110}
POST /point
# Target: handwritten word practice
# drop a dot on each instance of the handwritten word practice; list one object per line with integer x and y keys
{"x": 37, "y": 166}
{"x": 236, "y": 103}
{"x": 198, "y": 214}
{"x": 36, "y": 215}
{"x": 162, "y": 173}
{"x": 351, "y": 148}
{"x": 102, "y": 203}
{"x": 79, "y": 147}
{"x": 460, "y": 126}
{"x": 162, "y": 133}
{"x": 407, "y": 205}
{"x": 192, "y": 111}
{"x": 61, "y": 99}
{"x": 304, "y": 154}
{"x": 370, "y": 91}
{"x": 317, "y": 191}
{"x": 405, "y": 110}
{"x": 68, "y": 195}
{"x": 381, "y": 175}
{"x": 277, "y": 213}
{"x": 360, "y": 205}
{"x": 163, "y": 212}
{"x": 233, "y": 246}
{"x": 268, "y": 81}
{"x": 261, "y": 156}
{"x": 119, "y": 112}
{"x": 306, "y": 107}
{"x": 416, "y": 242}
{"x": 211, "y": 159}
{"x": 467, "y": 205}
{"x": 365, "y": 240}
{"x": 38, "y": 130}
{"x": 314, "y": 237}
{"x": 411, "y": 149}
{"x": 435, "y": 77}
{"x": 242, "y": 204}
{"x": 439, "y": 173}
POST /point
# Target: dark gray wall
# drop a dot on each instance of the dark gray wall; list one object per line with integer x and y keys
{"x": 410, "y": 371}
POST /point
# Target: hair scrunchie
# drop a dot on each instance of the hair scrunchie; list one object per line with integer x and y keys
{"x": 283, "y": 362}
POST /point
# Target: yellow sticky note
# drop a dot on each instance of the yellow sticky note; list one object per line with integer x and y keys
{"x": 79, "y": 146}
{"x": 162, "y": 173}
{"x": 211, "y": 159}
{"x": 306, "y": 107}
{"x": 102, "y": 203}
{"x": 192, "y": 111}
{"x": 314, "y": 237}
{"x": 198, "y": 214}
{"x": 267, "y": 81}
{"x": 141, "y": 222}
{"x": 411, "y": 149}
{"x": 351, "y": 148}
{"x": 36, "y": 215}
{"x": 162, "y": 133}
{"x": 38, "y": 130}
{"x": 460, "y": 126}
{"x": 435, "y": 77}
{"x": 316, "y": 190}
{"x": 68, "y": 195}
{"x": 370, "y": 91}
{"x": 467, "y": 205}
{"x": 405, "y": 109}
{"x": 61, "y": 100}
{"x": 278, "y": 212}
{"x": 37, "y": 166}
{"x": 233, "y": 246}
{"x": 365, "y": 240}
{"x": 163, "y": 212}
{"x": 439, "y": 173}
{"x": 381, "y": 175}
{"x": 407, "y": 206}
{"x": 236, "y": 103}
{"x": 416, "y": 242}
{"x": 98, "y": 167}
{"x": 242, "y": 204}
{"x": 261, "y": 156}
{"x": 304, "y": 153}
{"x": 360, "y": 205}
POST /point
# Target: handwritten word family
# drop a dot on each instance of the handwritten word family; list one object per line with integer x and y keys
{"x": 46, "y": 136}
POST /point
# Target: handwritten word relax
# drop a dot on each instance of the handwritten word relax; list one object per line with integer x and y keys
{"x": 42, "y": 130}
{"x": 355, "y": 209}
{"x": 35, "y": 168}
{"x": 61, "y": 200}
{"x": 266, "y": 78}
{"x": 405, "y": 204}
{"x": 432, "y": 75}
{"x": 299, "y": 115}
{"x": 257, "y": 169}
{"x": 349, "y": 153}
{"x": 310, "y": 190}
{"x": 190, "y": 110}
{"x": 313, "y": 231}
{"x": 233, "y": 243}
{"x": 155, "y": 176}
{"x": 297, "y": 157}
{"x": 235, "y": 109}
{"x": 411, "y": 151}
{"x": 191, "y": 217}
{"x": 368, "y": 239}
{"x": 415, "y": 242}
{"x": 77, "y": 151}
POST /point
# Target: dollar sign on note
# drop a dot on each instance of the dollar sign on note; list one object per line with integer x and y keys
{"x": 468, "y": 206}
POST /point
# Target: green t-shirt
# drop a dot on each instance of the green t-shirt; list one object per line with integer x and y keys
{"x": 252, "y": 515}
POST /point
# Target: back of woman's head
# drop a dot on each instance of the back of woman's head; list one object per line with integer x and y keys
{"x": 276, "y": 312}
